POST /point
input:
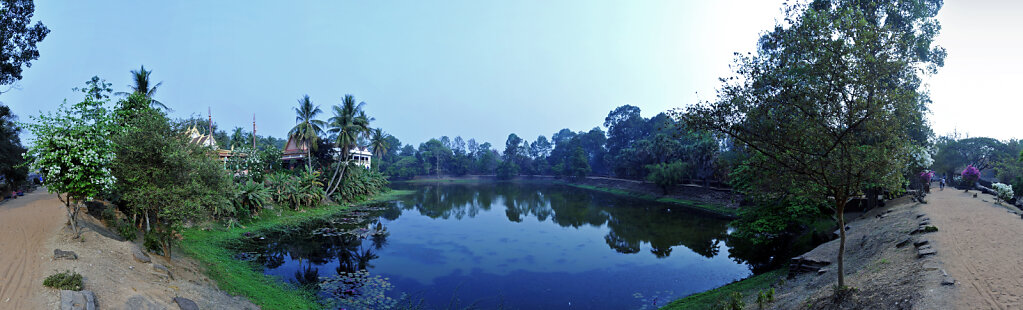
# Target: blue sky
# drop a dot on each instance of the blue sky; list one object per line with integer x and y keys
{"x": 478, "y": 69}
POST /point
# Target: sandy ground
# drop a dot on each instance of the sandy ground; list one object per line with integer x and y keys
{"x": 26, "y": 224}
{"x": 33, "y": 226}
{"x": 980, "y": 245}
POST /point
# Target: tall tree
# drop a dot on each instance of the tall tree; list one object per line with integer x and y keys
{"x": 12, "y": 171}
{"x": 18, "y": 38}
{"x": 821, "y": 105}
{"x": 349, "y": 123}
{"x": 308, "y": 128}
{"x": 141, "y": 85}
{"x": 378, "y": 141}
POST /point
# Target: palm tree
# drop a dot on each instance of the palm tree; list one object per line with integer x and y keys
{"x": 308, "y": 128}
{"x": 349, "y": 123}
{"x": 141, "y": 79}
{"x": 379, "y": 142}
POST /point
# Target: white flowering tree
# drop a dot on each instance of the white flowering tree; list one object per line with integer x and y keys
{"x": 73, "y": 151}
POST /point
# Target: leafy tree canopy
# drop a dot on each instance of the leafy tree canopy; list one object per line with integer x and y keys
{"x": 18, "y": 38}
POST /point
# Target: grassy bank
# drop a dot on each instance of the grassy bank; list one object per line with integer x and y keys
{"x": 748, "y": 287}
{"x": 703, "y": 206}
{"x": 211, "y": 249}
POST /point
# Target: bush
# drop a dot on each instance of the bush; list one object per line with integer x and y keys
{"x": 151, "y": 241}
{"x": 359, "y": 184}
{"x": 67, "y": 280}
{"x": 251, "y": 197}
{"x": 734, "y": 302}
{"x": 1004, "y": 191}
{"x": 122, "y": 227}
{"x": 970, "y": 176}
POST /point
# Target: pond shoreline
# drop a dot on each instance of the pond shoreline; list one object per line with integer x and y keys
{"x": 717, "y": 201}
{"x": 210, "y": 247}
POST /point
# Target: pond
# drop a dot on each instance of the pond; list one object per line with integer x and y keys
{"x": 506, "y": 245}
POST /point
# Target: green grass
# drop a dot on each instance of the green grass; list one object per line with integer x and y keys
{"x": 748, "y": 287}
{"x": 211, "y": 249}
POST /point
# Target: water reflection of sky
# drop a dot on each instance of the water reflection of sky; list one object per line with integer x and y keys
{"x": 488, "y": 259}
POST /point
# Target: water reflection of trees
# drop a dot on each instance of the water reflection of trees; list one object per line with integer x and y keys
{"x": 631, "y": 222}
{"x": 309, "y": 249}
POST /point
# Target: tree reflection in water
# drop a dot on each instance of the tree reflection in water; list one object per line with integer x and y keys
{"x": 631, "y": 221}
{"x": 350, "y": 245}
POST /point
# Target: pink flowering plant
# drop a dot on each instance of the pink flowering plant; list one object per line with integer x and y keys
{"x": 970, "y": 176}
{"x": 926, "y": 176}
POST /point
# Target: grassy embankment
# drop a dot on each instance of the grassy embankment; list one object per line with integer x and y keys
{"x": 749, "y": 287}
{"x": 211, "y": 249}
{"x": 703, "y": 206}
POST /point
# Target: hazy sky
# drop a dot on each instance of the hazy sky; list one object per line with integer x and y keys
{"x": 478, "y": 69}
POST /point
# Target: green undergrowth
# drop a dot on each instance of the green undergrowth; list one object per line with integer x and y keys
{"x": 711, "y": 299}
{"x": 212, "y": 249}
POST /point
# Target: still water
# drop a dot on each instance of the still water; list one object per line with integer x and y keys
{"x": 511, "y": 246}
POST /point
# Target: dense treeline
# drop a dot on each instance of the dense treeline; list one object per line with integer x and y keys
{"x": 632, "y": 147}
{"x": 997, "y": 161}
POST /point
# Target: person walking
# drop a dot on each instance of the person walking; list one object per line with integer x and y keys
{"x": 941, "y": 184}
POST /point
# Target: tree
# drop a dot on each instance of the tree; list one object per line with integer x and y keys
{"x": 73, "y": 151}
{"x": 666, "y": 175}
{"x": 12, "y": 170}
{"x": 18, "y": 38}
{"x": 349, "y": 124}
{"x": 821, "y": 103}
{"x": 141, "y": 86}
{"x": 308, "y": 129}
{"x": 379, "y": 143}
{"x": 163, "y": 178}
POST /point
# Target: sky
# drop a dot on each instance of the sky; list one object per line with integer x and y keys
{"x": 476, "y": 69}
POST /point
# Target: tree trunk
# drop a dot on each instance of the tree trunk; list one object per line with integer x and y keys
{"x": 72, "y": 215}
{"x": 840, "y": 209}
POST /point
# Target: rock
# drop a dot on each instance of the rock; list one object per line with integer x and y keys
{"x": 925, "y": 223}
{"x": 948, "y": 281}
{"x": 822, "y": 271}
{"x": 925, "y": 252}
{"x": 58, "y": 254}
{"x": 904, "y": 242}
{"x": 140, "y": 256}
{"x": 919, "y": 215}
{"x": 162, "y": 271}
{"x": 139, "y": 302}
{"x": 80, "y": 300}
{"x": 925, "y": 247}
{"x": 921, "y": 242}
{"x": 185, "y": 303}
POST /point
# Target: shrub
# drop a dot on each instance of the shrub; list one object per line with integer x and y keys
{"x": 122, "y": 227}
{"x": 151, "y": 241}
{"x": 250, "y": 197}
{"x": 970, "y": 176}
{"x": 359, "y": 184}
{"x": 67, "y": 280}
{"x": 1004, "y": 191}
{"x": 734, "y": 302}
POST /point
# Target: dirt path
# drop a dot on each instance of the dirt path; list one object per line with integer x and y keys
{"x": 981, "y": 246}
{"x": 26, "y": 224}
